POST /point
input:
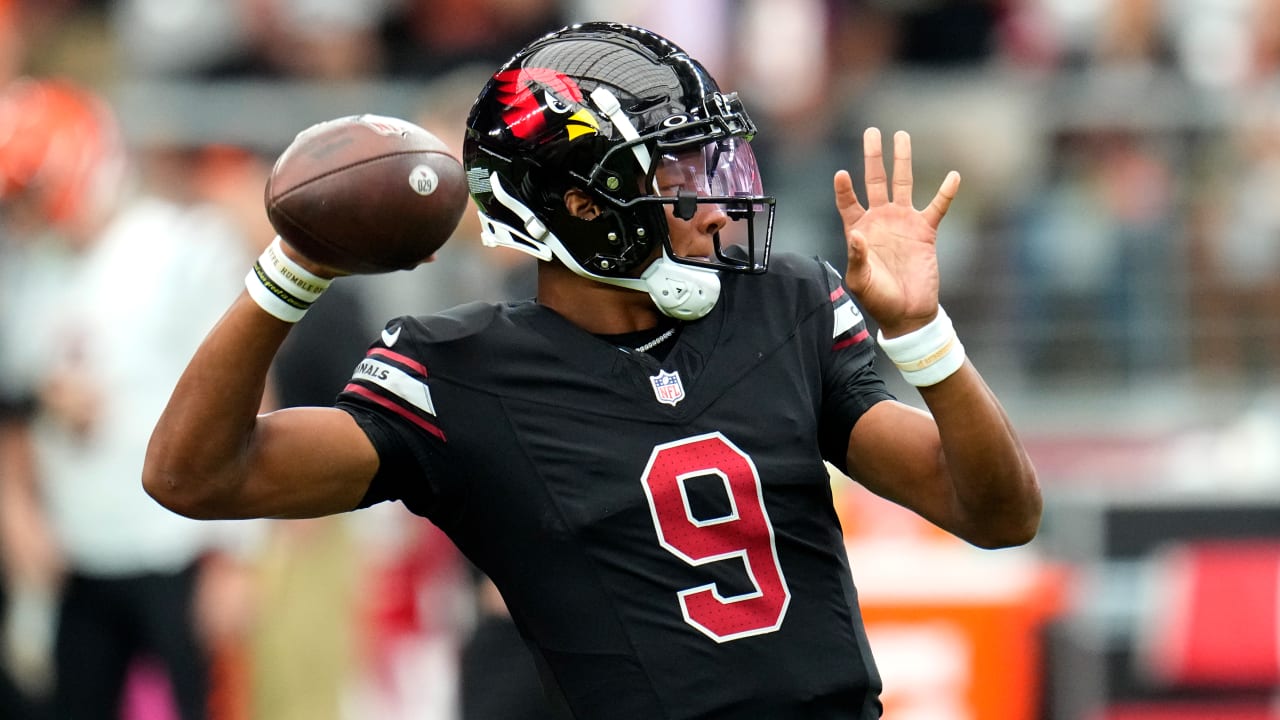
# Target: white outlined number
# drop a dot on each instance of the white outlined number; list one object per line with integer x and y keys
{"x": 744, "y": 533}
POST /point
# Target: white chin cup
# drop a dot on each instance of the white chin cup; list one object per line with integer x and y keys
{"x": 680, "y": 291}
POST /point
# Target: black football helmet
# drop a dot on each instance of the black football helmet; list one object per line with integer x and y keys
{"x": 603, "y": 107}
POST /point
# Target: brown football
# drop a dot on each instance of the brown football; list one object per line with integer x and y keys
{"x": 366, "y": 194}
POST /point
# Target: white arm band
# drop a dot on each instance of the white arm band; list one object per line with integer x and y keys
{"x": 926, "y": 356}
{"x": 281, "y": 286}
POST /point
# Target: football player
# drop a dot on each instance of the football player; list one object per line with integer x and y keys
{"x": 636, "y": 457}
{"x": 87, "y": 355}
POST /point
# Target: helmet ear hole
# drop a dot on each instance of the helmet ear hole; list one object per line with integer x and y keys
{"x": 581, "y": 205}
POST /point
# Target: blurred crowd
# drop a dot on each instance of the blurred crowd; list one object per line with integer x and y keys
{"x": 1116, "y": 153}
{"x": 1118, "y": 225}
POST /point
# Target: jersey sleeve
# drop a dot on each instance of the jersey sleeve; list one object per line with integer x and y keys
{"x": 389, "y": 396}
{"x": 850, "y": 383}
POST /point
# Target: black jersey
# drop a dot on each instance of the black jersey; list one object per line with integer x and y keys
{"x": 662, "y": 532}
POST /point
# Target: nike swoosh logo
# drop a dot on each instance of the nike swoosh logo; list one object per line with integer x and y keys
{"x": 389, "y": 337}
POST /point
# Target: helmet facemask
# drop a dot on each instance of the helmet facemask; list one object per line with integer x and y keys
{"x": 722, "y": 173}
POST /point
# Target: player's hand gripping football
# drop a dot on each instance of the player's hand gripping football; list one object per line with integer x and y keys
{"x": 296, "y": 255}
{"x": 893, "y": 261}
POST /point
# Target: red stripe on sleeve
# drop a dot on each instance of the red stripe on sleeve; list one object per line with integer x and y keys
{"x": 402, "y": 359}
{"x": 862, "y": 335}
{"x": 368, "y": 394}
{"x": 837, "y": 294}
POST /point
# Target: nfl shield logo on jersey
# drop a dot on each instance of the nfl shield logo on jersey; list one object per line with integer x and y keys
{"x": 667, "y": 387}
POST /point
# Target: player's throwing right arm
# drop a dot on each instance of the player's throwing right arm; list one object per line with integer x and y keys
{"x": 213, "y": 456}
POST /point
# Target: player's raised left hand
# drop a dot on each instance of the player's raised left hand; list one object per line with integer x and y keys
{"x": 893, "y": 260}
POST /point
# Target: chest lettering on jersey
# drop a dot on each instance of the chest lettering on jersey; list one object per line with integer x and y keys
{"x": 744, "y": 533}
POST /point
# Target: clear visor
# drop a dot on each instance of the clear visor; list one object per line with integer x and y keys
{"x": 720, "y": 177}
{"x": 722, "y": 168}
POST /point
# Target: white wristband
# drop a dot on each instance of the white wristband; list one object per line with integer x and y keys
{"x": 926, "y": 356}
{"x": 281, "y": 286}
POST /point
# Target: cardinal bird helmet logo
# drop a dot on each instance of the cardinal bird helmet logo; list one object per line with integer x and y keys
{"x": 538, "y": 99}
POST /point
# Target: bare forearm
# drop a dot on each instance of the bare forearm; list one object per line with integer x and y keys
{"x": 996, "y": 490}
{"x": 30, "y": 552}
{"x": 201, "y": 444}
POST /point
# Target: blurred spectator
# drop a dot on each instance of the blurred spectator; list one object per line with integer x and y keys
{"x": 319, "y": 39}
{"x": 1109, "y": 33}
{"x": 314, "y": 39}
{"x": 306, "y": 579}
{"x": 428, "y": 38}
{"x": 1100, "y": 245}
{"x": 25, "y": 605}
{"x": 100, "y": 316}
{"x": 1238, "y": 250}
{"x": 1096, "y": 250}
{"x": 193, "y": 38}
{"x": 1131, "y": 34}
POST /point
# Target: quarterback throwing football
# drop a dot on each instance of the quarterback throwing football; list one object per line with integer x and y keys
{"x": 636, "y": 457}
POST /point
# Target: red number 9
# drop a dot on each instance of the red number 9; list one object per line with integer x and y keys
{"x": 744, "y": 533}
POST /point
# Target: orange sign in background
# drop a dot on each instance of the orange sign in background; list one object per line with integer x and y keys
{"x": 956, "y": 631}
